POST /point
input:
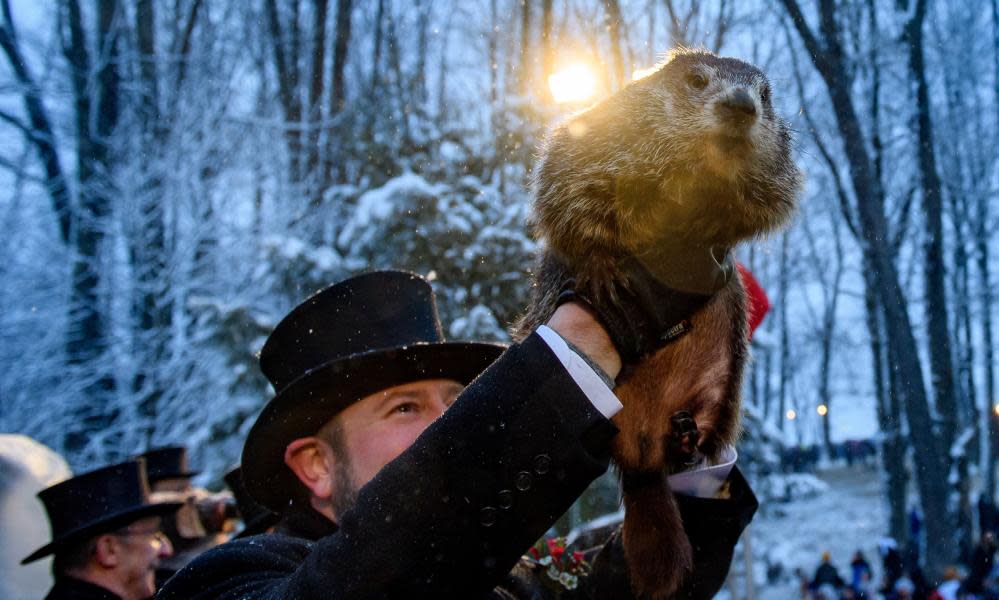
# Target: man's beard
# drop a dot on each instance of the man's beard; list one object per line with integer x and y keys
{"x": 344, "y": 489}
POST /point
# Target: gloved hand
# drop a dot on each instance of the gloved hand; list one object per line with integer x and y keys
{"x": 644, "y": 312}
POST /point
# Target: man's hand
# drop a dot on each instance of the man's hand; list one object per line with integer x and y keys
{"x": 651, "y": 306}
{"x": 578, "y": 326}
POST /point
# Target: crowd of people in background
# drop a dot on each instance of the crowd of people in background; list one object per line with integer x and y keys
{"x": 902, "y": 578}
{"x": 805, "y": 458}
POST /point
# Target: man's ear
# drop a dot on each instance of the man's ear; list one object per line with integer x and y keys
{"x": 312, "y": 463}
{"x": 107, "y": 551}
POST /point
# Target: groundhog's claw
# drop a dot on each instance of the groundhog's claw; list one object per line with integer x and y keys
{"x": 683, "y": 439}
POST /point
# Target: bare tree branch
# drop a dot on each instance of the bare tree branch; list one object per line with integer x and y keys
{"x": 844, "y": 200}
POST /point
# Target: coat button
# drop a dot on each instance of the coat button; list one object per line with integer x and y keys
{"x": 523, "y": 481}
{"x": 505, "y": 499}
{"x": 487, "y": 516}
{"x": 542, "y": 464}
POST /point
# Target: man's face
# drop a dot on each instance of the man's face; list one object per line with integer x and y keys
{"x": 378, "y": 428}
{"x": 144, "y": 547}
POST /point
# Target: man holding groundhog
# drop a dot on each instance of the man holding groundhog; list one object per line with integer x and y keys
{"x": 405, "y": 466}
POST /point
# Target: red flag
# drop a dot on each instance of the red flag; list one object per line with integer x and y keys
{"x": 757, "y": 303}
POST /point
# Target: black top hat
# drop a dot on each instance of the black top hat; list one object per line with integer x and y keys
{"x": 365, "y": 334}
{"x": 256, "y": 517}
{"x": 95, "y": 503}
{"x": 166, "y": 463}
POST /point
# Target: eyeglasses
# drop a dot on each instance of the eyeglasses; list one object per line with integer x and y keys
{"x": 156, "y": 536}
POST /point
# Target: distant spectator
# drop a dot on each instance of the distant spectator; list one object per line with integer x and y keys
{"x": 949, "y": 588}
{"x": 981, "y": 564}
{"x": 859, "y": 567}
{"x": 803, "y": 582}
{"x": 988, "y": 515}
{"x": 826, "y": 574}
{"x": 199, "y": 523}
{"x": 903, "y": 590}
{"x": 921, "y": 587}
{"x": 826, "y": 592}
{"x": 256, "y": 517}
{"x": 891, "y": 563}
{"x": 866, "y": 590}
{"x": 106, "y": 536}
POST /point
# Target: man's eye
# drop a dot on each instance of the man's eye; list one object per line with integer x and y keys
{"x": 405, "y": 407}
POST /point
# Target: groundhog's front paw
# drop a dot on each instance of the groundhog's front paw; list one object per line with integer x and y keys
{"x": 682, "y": 442}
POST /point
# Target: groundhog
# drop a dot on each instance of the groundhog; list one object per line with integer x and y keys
{"x": 676, "y": 169}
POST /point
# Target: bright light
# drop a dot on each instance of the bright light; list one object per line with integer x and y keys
{"x": 643, "y": 73}
{"x": 822, "y": 409}
{"x": 574, "y": 83}
{"x": 995, "y": 409}
{"x": 792, "y": 415}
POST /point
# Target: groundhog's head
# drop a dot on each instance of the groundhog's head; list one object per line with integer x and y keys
{"x": 704, "y": 128}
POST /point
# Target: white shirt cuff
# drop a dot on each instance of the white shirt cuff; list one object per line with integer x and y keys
{"x": 705, "y": 479}
{"x": 601, "y": 396}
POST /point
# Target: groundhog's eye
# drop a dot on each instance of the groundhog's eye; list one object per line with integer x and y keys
{"x": 697, "y": 80}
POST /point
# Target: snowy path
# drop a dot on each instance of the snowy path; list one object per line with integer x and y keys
{"x": 852, "y": 515}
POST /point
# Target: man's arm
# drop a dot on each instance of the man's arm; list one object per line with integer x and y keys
{"x": 453, "y": 514}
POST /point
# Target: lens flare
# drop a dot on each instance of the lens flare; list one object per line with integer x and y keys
{"x": 575, "y": 83}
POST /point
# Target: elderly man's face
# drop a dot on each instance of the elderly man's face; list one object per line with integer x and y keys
{"x": 378, "y": 428}
{"x": 143, "y": 547}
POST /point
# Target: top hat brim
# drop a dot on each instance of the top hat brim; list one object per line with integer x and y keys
{"x": 305, "y": 405}
{"x": 178, "y": 475}
{"x": 101, "y": 526}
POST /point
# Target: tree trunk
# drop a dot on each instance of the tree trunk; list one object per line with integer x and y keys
{"x": 315, "y": 108}
{"x": 419, "y": 78}
{"x": 785, "y": 343}
{"x": 375, "y": 79}
{"x": 934, "y": 276}
{"x": 96, "y": 102}
{"x": 828, "y": 332}
{"x": 898, "y": 478}
{"x": 547, "y": 53}
{"x": 982, "y": 234}
{"x": 286, "y": 68}
{"x": 148, "y": 247}
{"x": 341, "y": 43}
{"x": 612, "y": 18}
{"x": 333, "y": 171}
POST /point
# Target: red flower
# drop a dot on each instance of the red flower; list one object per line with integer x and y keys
{"x": 577, "y": 557}
{"x": 534, "y": 553}
{"x": 556, "y": 549}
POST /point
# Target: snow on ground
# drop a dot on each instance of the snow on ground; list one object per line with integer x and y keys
{"x": 850, "y": 515}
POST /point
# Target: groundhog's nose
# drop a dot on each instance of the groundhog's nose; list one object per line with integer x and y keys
{"x": 739, "y": 106}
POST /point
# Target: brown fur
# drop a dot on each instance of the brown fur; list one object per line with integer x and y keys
{"x": 665, "y": 163}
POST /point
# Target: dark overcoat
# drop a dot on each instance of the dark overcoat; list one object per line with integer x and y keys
{"x": 70, "y": 588}
{"x": 452, "y": 516}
